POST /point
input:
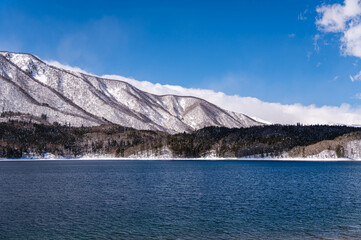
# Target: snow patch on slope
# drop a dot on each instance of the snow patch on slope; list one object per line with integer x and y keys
{"x": 325, "y": 154}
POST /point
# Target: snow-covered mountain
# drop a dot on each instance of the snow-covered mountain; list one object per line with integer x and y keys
{"x": 28, "y": 85}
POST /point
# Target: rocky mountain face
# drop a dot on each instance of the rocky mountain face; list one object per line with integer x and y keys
{"x": 34, "y": 89}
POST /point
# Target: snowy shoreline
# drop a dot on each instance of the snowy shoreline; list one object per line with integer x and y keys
{"x": 181, "y": 159}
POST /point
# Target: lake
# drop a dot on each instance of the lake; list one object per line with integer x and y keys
{"x": 180, "y": 200}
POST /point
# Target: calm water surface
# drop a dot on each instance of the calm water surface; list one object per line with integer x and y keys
{"x": 180, "y": 200}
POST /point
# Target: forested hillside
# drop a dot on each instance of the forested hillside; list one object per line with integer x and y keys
{"x": 21, "y": 139}
{"x": 270, "y": 140}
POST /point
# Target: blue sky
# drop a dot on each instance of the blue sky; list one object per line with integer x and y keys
{"x": 270, "y": 50}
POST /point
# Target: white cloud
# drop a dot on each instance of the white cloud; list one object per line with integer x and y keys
{"x": 66, "y": 67}
{"x": 337, "y": 17}
{"x": 292, "y": 35}
{"x": 335, "y": 78}
{"x": 345, "y": 19}
{"x": 356, "y": 77}
{"x": 351, "y": 41}
{"x": 315, "y": 42}
{"x": 302, "y": 16}
{"x": 268, "y": 111}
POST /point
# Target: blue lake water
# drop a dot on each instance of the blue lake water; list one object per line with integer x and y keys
{"x": 180, "y": 200}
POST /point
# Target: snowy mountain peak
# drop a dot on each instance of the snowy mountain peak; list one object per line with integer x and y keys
{"x": 31, "y": 86}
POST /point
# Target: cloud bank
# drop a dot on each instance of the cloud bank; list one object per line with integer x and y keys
{"x": 253, "y": 107}
{"x": 270, "y": 112}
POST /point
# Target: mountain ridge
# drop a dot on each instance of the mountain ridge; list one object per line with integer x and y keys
{"x": 32, "y": 86}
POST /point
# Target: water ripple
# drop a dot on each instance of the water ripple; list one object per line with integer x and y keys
{"x": 180, "y": 200}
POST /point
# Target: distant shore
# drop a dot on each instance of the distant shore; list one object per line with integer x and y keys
{"x": 182, "y": 159}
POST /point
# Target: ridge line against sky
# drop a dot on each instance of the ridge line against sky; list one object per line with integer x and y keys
{"x": 253, "y": 107}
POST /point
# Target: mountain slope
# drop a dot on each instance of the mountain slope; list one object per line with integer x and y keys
{"x": 345, "y": 146}
{"x": 29, "y": 85}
